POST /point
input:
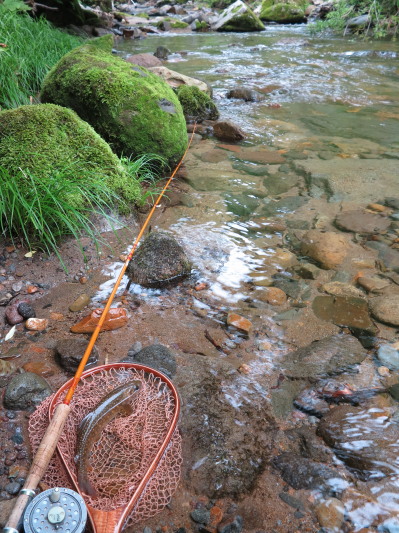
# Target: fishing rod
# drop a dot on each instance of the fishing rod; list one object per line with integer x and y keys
{"x": 52, "y": 435}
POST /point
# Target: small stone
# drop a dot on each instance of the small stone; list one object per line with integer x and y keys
{"x": 69, "y": 353}
{"x": 239, "y": 322}
{"x": 231, "y": 525}
{"x": 82, "y": 301}
{"x": 41, "y": 368}
{"x": 244, "y": 369}
{"x": 377, "y": 207}
{"x": 308, "y": 271}
{"x": 216, "y": 516}
{"x": 26, "y": 310}
{"x": 331, "y": 514}
{"x": 227, "y": 131}
{"x": 122, "y": 258}
{"x": 83, "y": 280}
{"x": 337, "y": 288}
{"x": 383, "y": 371}
{"x": 328, "y": 248}
{"x": 12, "y": 315}
{"x": 200, "y": 516}
{"x": 273, "y": 296}
{"x": 57, "y": 316}
{"x": 17, "y": 287}
{"x": 372, "y": 284}
{"x": 13, "y": 488}
{"x": 388, "y": 356}
{"x": 201, "y": 286}
{"x": 36, "y": 324}
{"x": 32, "y": 289}
{"x": 147, "y": 530}
{"x": 116, "y": 318}
{"x": 25, "y": 390}
{"x": 385, "y": 309}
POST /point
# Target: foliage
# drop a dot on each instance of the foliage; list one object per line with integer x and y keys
{"x": 383, "y": 17}
{"x": 13, "y": 6}
{"x": 32, "y": 47}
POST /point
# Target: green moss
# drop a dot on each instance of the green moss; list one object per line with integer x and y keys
{"x": 246, "y": 21}
{"x": 104, "y": 43}
{"x": 197, "y": 105}
{"x": 131, "y": 108}
{"x": 199, "y": 26}
{"x": 143, "y": 15}
{"x": 44, "y": 139}
{"x": 179, "y": 24}
{"x": 283, "y": 13}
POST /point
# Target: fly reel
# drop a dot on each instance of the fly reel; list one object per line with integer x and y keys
{"x": 59, "y": 509}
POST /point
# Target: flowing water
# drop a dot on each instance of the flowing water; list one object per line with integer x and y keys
{"x": 326, "y": 102}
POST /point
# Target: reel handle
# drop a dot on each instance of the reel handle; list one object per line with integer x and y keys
{"x": 39, "y": 465}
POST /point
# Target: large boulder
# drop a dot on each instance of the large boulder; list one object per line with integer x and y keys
{"x": 175, "y": 79}
{"x": 45, "y": 139}
{"x": 238, "y": 17}
{"x": 197, "y": 105}
{"x": 283, "y": 12}
{"x": 131, "y": 108}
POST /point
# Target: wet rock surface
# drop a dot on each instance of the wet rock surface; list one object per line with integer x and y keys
{"x": 155, "y": 356}
{"x": 69, "y": 353}
{"x": 25, "y": 391}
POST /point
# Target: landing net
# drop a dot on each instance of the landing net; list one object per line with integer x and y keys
{"x": 120, "y": 459}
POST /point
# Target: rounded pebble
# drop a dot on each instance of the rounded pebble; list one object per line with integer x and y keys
{"x": 26, "y": 310}
{"x": 201, "y": 516}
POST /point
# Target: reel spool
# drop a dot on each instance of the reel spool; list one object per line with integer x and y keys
{"x": 59, "y": 509}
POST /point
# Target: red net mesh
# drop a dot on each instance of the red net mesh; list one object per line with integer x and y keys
{"x": 121, "y": 457}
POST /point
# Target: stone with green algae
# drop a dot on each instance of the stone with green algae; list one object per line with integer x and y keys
{"x": 197, "y": 105}
{"x": 238, "y": 17}
{"x": 134, "y": 110}
{"x": 281, "y": 12}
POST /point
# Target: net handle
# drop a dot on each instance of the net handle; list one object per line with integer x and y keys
{"x": 112, "y": 521}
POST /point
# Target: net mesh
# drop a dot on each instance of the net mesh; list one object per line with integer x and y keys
{"x": 121, "y": 457}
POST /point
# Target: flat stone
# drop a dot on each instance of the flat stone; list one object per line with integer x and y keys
{"x": 115, "y": 319}
{"x": 346, "y": 311}
{"x": 175, "y": 79}
{"x": 388, "y": 356}
{"x": 36, "y": 324}
{"x": 239, "y": 322}
{"x": 262, "y": 156}
{"x": 331, "y": 514}
{"x": 338, "y": 288}
{"x": 360, "y": 221}
{"x": 385, "y": 309}
{"x": 307, "y": 271}
{"x": 12, "y": 315}
{"x": 280, "y": 183}
{"x": 227, "y": 131}
{"x": 272, "y": 296}
{"x": 359, "y": 180}
{"x": 327, "y": 357}
{"x": 145, "y": 60}
{"x": 328, "y": 248}
{"x": 387, "y": 255}
{"x": 41, "y": 368}
{"x": 155, "y": 356}
{"x": 372, "y": 283}
{"x": 284, "y": 206}
{"x": 366, "y": 439}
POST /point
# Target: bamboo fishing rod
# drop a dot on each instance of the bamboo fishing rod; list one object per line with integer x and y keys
{"x": 50, "y": 439}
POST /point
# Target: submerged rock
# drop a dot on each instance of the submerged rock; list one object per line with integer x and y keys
{"x": 365, "y": 439}
{"x": 347, "y": 311}
{"x": 227, "y": 131}
{"x": 238, "y": 17}
{"x": 159, "y": 261}
{"x": 197, "y": 105}
{"x": 175, "y": 79}
{"x": 327, "y": 357}
{"x": 327, "y": 248}
{"x": 360, "y": 221}
{"x": 155, "y": 356}
{"x": 26, "y": 390}
{"x": 385, "y": 309}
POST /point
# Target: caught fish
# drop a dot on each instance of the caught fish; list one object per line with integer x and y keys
{"x": 116, "y": 403}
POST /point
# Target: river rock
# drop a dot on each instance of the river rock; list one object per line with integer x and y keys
{"x": 12, "y": 315}
{"x": 327, "y": 248}
{"x": 366, "y": 439}
{"x": 372, "y": 283}
{"x": 231, "y": 525}
{"x": 197, "y": 105}
{"x": 162, "y": 52}
{"x": 26, "y": 390}
{"x": 80, "y": 303}
{"x": 283, "y": 13}
{"x": 272, "y": 296}
{"x": 159, "y": 261}
{"x": 230, "y": 435}
{"x": 387, "y": 255}
{"x": 155, "y": 356}
{"x": 239, "y": 322}
{"x": 385, "y": 309}
{"x": 36, "y": 324}
{"x": 175, "y": 79}
{"x": 331, "y": 514}
{"x": 346, "y": 311}
{"x": 388, "y": 356}
{"x": 145, "y": 60}
{"x": 309, "y": 402}
{"x": 360, "y": 221}
{"x": 261, "y": 155}
{"x": 307, "y": 271}
{"x": 116, "y": 318}
{"x": 69, "y": 353}
{"x": 327, "y": 357}
{"x": 227, "y": 131}
{"x": 280, "y": 183}
{"x": 26, "y": 310}
{"x": 302, "y": 473}
{"x": 238, "y": 17}
{"x": 242, "y": 93}
{"x": 338, "y": 288}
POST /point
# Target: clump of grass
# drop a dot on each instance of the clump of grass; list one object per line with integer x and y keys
{"x": 32, "y": 48}
{"x": 146, "y": 169}
{"x": 39, "y": 212}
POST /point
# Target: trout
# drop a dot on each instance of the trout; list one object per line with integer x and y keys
{"x": 114, "y": 404}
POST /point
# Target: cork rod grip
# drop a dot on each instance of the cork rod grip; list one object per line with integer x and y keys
{"x": 40, "y": 462}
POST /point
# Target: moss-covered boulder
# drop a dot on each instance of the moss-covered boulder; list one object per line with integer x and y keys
{"x": 283, "y": 12}
{"x": 238, "y": 17}
{"x": 197, "y": 105}
{"x": 131, "y": 108}
{"x": 45, "y": 139}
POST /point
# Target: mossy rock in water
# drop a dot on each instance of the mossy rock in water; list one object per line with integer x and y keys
{"x": 197, "y": 105}
{"x": 238, "y": 17}
{"x": 43, "y": 139}
{"x": 159, "y": 261}
{"x": 288, "y": 13}
{"x": 131, "y": 108}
